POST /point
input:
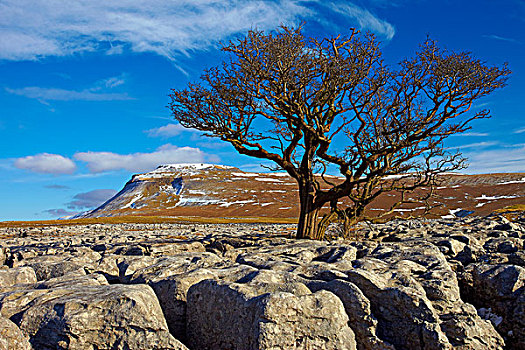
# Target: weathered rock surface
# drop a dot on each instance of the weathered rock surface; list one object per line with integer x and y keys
{"x": 17, "y": 275}
{"x": 99, "y": 317}
{"x": 11, "y": 337}
{"x": 243, "y": 316}
{"x": 420, "y": 284}
{"x": 500, "y": 291}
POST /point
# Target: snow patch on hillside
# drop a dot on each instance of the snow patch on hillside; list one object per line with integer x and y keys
{"x": 190, "y": 201}
{"x": 512, "y": 182}
{"x": 179, "y": 170}
{"x": 245, "y": 174}
{"x": 132, "y": 202}
{"x": 227, "y": 204}
{"x": 490, "y": 198}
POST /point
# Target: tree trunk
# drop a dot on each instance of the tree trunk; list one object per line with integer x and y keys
{"x": 308, "y": 215}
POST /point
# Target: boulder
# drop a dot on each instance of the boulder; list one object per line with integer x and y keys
{"x": 500, "y": 288}
{"x": 171, "y": 292}
{"x": 415, "y": 291}
{"x": 50, "y": 266}
{"x": 175, "y": 248}
{"x": 244, "y": 316}
{"x": 108, "y": 266}
{"x": 402, "y": 310}
{"x": 492, "y": 282}
{"x": 11, "y": 337}
{"x": 132, "y": 249}
{"x": 358, "y": 309}
{"x": 17, "y": 275}
{"x": 159, "y": 268}
{"x": 99, "y": 317}
{"x": 75, "y": 278}
{"x": 517, "y": 258}
{"x": 506, "y": 245}
{"x": 283, "y": 257}
{"x": 172, "y": 276}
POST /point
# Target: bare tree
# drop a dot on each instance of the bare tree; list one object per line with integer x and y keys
{"x": 310, "y": 105}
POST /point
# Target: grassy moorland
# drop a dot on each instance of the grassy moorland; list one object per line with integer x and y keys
{"x": 147, "y": 220}
{"x": 510, "y": 212}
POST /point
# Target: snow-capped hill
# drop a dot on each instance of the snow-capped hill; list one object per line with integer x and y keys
{"x": 182, "y": 169}
{"x": 170, "y": 188}
{"x": 211, "y": 190}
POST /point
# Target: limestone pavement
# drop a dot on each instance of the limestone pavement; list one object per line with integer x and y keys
{"x": 405, "y": 284}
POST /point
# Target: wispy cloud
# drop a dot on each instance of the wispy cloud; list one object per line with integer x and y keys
{"x": 519, "y": 131}
{"x": 475, "y": 145}
{"x": 500, "y": 38}
{"x": 46, "y": 163}
{"x": 507, "y": 160}
{"x": 113, "y": 82}
{"x": 365, "y": 19}
{"x": 35, "y": 29}
{"x": 51, "y": 94}
{"x": 139, "y": 162}
{"x": 57, "y": 187}
{"x": 479, "y": 144}
{"x": 98, "y": 91}
{"x": 472, "y": 134}
{"x": 31, "y": 30}
{"x": 168, "y": 130}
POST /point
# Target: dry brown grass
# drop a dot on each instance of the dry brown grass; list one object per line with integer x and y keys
{"x": 176, "y": 237}
{"x": 146, "y": 220}
{"x": 516, "y": 207}
{"x": 512, "y": 212}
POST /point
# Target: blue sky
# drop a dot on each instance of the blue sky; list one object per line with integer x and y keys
{"x": 84, "y": 83}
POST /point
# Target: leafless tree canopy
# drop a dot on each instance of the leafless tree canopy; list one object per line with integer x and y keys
{"x": 308, "y": 105}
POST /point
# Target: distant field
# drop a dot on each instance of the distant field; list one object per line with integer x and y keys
{"x": 509, "y": 211}
{"x": 147, "y": 220}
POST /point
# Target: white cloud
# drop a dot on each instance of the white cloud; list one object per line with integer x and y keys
{"x": 140, "y": 162}
{"x": 168, "y": 130}
{"x": 46, "y": 163}
{"x": 115, "y": 50}
{"x": 30, "y": 29}
{"x": 507, "y": 160}
{"x": 519, "y": 131}
{"x": 365, "y": 18}
{"x": 52, "y": 94}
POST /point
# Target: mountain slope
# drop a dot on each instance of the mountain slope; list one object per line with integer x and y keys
{"x": 209, "y": 190}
